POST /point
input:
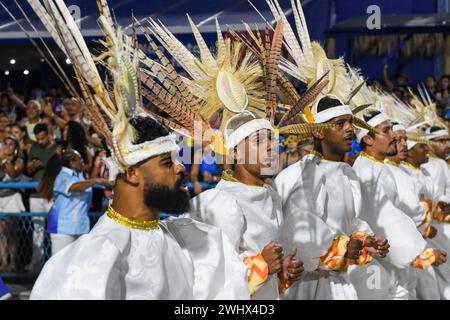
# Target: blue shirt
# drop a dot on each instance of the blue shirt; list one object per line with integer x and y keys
{"x": 69, "y": 213}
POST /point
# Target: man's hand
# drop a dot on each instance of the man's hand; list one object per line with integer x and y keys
{"x": 441, "y": 257}
{"x": 445, "y": 208}
{"x": 354, "y": 248}
{"x": 38, "y": 164}
{"x": 377, "y": 246}
{"x": 273, "y": 254}
{"x": 433, "y": 232}
{"x": 292, "y": 268}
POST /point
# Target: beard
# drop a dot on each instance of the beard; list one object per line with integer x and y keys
{"x": 167, "y": 200}
{"x": 392, "y": 150}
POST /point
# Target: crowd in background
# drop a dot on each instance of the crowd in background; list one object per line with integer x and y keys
{"x": 37, "y": 130}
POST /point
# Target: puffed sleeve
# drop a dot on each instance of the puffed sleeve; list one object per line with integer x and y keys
{"x": 87, "y": 269}
{"x": 301, "y": 187}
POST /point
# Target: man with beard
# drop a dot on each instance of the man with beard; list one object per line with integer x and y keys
{"x": 409, "y": 192}
{"x": 344, "y": 239}
{"x": 131, "y": 254}
{"x": 382, "y": 210}
{"x": 248, "y": 210}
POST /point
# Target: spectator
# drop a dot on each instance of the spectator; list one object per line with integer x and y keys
{"x": 7, "y": 131}
{"x": 204, "y": 169}
{"x": 11, "y": 169}
{"x": 401, "y": 79}
{"x": 100, "y": 170}
{"x": 19, "y": 133}
{"x": 73, "y": 108}
{"x": 443, "y": 95}
{"x": 63, "y": 180}
{"x": 74, "y": 137}
{"x": 40, "y": 152}
{"x": 432, "y": 86}
{"x": 33, "y": 111}
{"x": 295, "y": 151}
{"x": 3, "y": 125}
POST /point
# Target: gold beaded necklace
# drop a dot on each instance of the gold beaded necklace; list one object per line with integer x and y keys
{"x": 130, "y": 223}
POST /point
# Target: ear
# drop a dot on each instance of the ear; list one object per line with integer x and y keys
{"x": 368, "y": 140}
{"x": 132, "y": 176}
{"x": 319, "y": 135}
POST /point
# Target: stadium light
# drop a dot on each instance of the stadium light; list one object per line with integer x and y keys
{"x": 12, "y": 61}
{"x": 26, "y": 72}
{"x": 6, "y": 72}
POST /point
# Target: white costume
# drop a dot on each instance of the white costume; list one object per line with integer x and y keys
{"x": 123, "y": 258}
{"x": 250, "y": 216}
{"x": 381, "y": 209}
{"x": 439, "y": 172}
{"x": 320, "y": 201}
{"x": 181, "y": 259}
{"x": 409, "y": 191}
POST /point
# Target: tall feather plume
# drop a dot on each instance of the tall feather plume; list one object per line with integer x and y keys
{"x": 361, "y": 108}
{"x": 220, "y": 41}
{"x": 170, "y": 124}
{"x": 364, "y": 125}
{"x": 170, "y": 104}
{"x": 256, "y": 46}
{"x": 181, "y": 54}
{"x": 205, "y": 53}
{"x": 272, "y": 71}
{"x": 305, "y": 129}
{"x": 172, "y": 74}
{"x": 302, "y": 28}
{"x": 291, "y": 40}
{"x": 67, "y": 33}
{"x": 354, "y": 92}
{"x": 306, "y": 99}
{"x": 55, "y": 66}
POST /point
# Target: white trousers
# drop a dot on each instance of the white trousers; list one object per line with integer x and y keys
{"x": 59, "y": 241}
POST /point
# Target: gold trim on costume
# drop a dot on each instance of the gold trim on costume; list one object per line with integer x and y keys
{"x": 410, "y": 165}
{"x": 392, "y": 163}
{"x": 227, "y": 175}
{"x": 317, "y": 154}
{"x": 130, "y": 223}
{"x": 365, "y": 155}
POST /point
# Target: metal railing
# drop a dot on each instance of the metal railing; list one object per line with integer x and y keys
{"x": 17, "y": 232}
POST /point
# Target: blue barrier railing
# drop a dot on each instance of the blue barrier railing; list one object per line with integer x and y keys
{"x": 34, "y": 184}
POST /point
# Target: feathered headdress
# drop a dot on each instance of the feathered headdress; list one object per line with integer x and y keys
{"x": 425, "y": 108}
{"x": 112, "y": 103}
{"x": 237, "y": 82}
{"x": 312, "y": 66}
{"x": 404, "y": 116}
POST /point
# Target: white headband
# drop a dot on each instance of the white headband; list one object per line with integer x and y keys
{"x": 437, "y": 134}
{"x": 375, "y": 121}
{"x": 141, "y": 152}
{"x": 411, "y": 144}
{"x": 328, "y": 114}
{"x": 238, "y": 135}
{"x": 398, "y": 127}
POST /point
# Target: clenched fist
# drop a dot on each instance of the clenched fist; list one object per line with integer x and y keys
{"x": 354, "y": 248}
{"x": 273, "y": 254}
